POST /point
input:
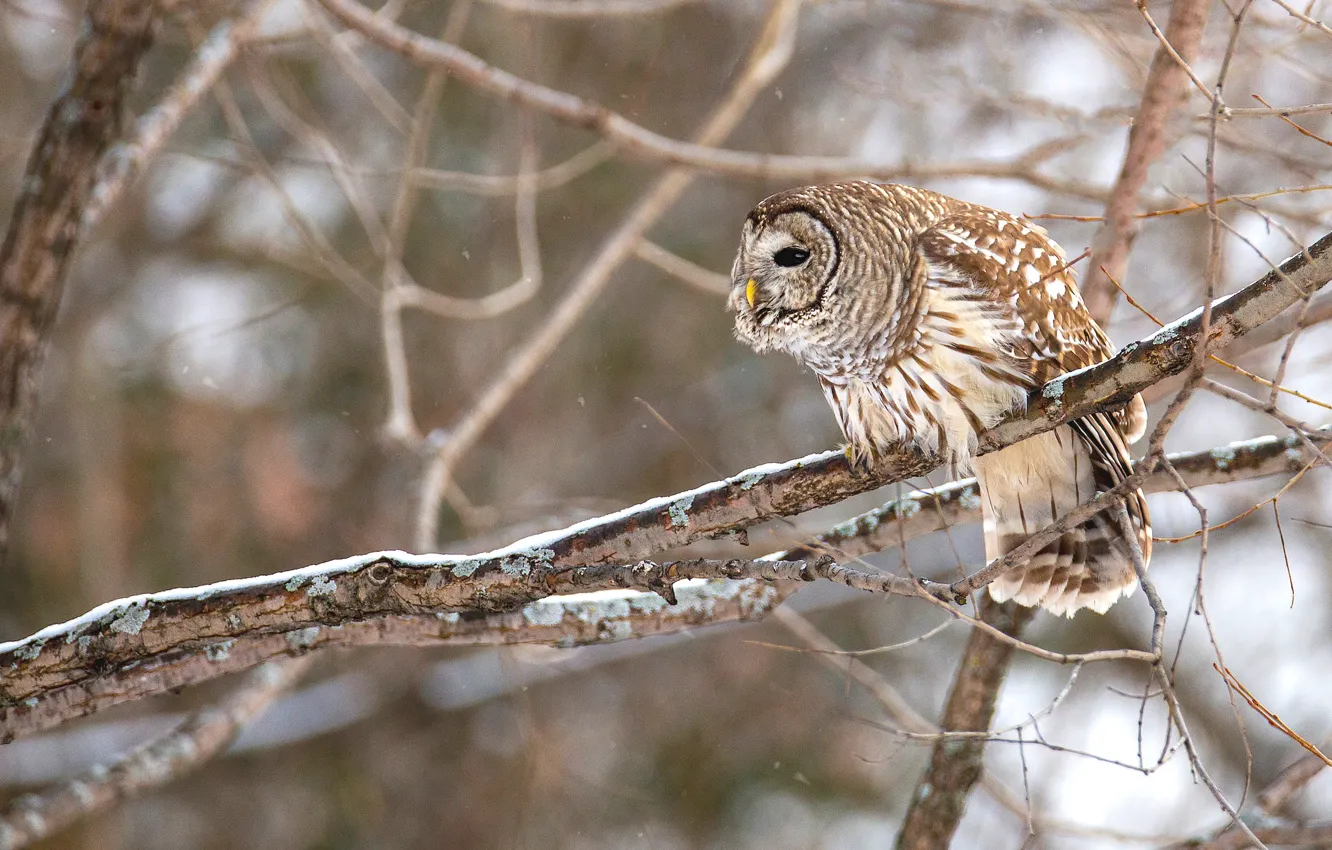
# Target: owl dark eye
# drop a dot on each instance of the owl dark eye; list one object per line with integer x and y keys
{"x": 790, "y": 257}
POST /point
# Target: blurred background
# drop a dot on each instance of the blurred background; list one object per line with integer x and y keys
{"x": 217, "y": 404}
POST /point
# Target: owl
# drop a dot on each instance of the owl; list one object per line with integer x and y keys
{"x": 927, "y": 320}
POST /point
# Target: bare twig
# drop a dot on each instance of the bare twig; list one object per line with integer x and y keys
{"x": 769, "y": 55}
{"x": 1164, "y": 94}
{"x": 198, "y": 739}
{"x": 1275, "y": 796}
{"x": 1267, "y": 714}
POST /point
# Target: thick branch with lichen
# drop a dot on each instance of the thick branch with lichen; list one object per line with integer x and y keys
{"x": 136, "y": 630}
{"x": 78, "y": 681}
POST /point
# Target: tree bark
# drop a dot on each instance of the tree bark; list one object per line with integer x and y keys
{"x": 956, "y": 762}
{"x": 45, "y": 230}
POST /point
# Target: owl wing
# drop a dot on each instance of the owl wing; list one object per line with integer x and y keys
{"x": 1012, "y": 266}
{"x": 1015, "y": 262}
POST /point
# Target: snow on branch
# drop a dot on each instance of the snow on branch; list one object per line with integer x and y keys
{"x": 54, "y": 674}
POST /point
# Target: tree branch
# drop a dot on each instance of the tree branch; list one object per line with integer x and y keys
{"x": 298, "y": 604}
{"x": 198, "y": 739}
{"x": 956, "y": 762}
{"x": 45, "y": 230}
{"x": 77, "y": 689}
{"x": 1166, "y": 91}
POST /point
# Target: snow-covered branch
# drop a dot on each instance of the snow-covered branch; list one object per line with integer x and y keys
{"x": 165, "y": 637}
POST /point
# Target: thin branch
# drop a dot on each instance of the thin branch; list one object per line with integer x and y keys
{"x": 1275, "y": 796}
{"x": 553, "y": 177}
{"x": 1233, "y": 682}
{"x": 691, "y": 273}
{"x": 768, "y": 56}
{"x": 400, "y": 423}
{"x": 1304, "y": 18}
{"x": 1164, "y": 94}
{"x": 635, "y": 139}
{"x": 198, "y": 739}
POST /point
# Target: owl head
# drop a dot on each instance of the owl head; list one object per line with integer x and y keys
{"x": 818, "y": 268}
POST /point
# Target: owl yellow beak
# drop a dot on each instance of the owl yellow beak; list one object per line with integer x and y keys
{"x": 751, "y": 292}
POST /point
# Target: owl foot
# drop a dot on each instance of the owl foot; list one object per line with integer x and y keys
{"x": 860, "y": 463}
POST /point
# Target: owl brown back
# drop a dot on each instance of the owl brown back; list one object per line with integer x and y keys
{"x": 933, "y": 322}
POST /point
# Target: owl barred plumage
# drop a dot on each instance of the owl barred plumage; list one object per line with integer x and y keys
{"x": 927, "y": 320}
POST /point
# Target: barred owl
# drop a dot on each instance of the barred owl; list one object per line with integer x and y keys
{"x": 926, "y": 320}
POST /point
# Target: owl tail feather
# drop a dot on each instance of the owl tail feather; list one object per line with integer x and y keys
{"x": 1027, "y": 486}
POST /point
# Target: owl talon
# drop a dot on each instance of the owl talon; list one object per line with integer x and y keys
{"x": 860, "y": 464}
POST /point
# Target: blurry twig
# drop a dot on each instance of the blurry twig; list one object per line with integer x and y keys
{"x": 677, "y": 266}
{"x": 400, "y": 422}
{"x": 198, "y": 739}
{"x": 552, "y": 177}
{"x": 1170, "y": 49}
{"x": 768, "y": 56}
{"x": 1267, "y": 714}
{"x": 1303, "y": 17}
{"x": 1304, "y": 131}
{"x": 355, "y": 68}
{"x": 126, "y": 160}
{"x": 1164, "y": 93}
{"x": 323, "y": 251}
{"x": 1275, "y": 796}
{"x": 588, "y": 8}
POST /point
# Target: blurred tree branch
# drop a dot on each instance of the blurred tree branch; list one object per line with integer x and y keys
{"x": 205, "y": 734}
{"x": 639, "y": 140}
{"x": 1165, "y": 93}
{"x": 47, "y": 222}
{"x": 956, "y": 763}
